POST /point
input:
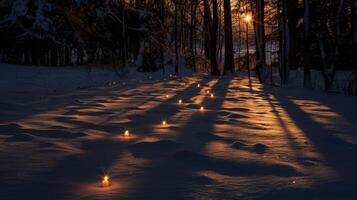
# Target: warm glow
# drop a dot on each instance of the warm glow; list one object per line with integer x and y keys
{"x": 202, "y": 108}
{"x": 180, "y": 101}
{"x": 105, "y": 181}
{"x": 248, "y": 18}
{"x": 212, "y": 95}
{"x": 208, "y": 92}
{"x": 167, "y": 96}
{"x": 164, "y": 123}
{"x": 126, "y": 133}
{"x": 198, "y": 85}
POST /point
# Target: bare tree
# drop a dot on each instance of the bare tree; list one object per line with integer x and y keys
{"x": 228, "y": 38}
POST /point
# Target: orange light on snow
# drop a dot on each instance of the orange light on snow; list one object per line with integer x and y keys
{"x": 105, "y": 181}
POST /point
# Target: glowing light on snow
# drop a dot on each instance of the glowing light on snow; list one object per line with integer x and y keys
{"x": 105, "y": 181}
{"x": 126, "y": 133}
{"x": 164, "y": 123}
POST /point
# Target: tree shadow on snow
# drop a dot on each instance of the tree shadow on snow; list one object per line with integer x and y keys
{"x": 336, "y": 153}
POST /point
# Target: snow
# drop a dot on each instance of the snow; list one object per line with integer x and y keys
{"x": 250, "y": 142}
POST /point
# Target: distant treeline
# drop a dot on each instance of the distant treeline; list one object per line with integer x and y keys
{"x": 281, "y": 35}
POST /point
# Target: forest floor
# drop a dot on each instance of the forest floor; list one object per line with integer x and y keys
{"x": 251, "y": 141}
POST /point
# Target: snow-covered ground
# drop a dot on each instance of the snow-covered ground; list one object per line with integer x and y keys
{"x": 250, "y": 141}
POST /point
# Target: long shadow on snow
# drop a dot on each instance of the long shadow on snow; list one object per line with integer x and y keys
{"x": 338, "y": 154}
{"x": 98, "y": 157}
{"x": 176, "y": 176}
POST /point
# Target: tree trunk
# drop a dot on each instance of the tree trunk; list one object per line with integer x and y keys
{"x": 260, "y": 38}
{"x": 228, "y": 38}
{"x": 292, "y": 18}
{"x": 214, "y": 28}
{"x": 206, "y": 28}
{"x": 176, "y": 42}
{"x": 285, "y": 44}
{"x": 307, "y": 53}
{"x": 192, "y": 34}
{"x": 353, "y": 22}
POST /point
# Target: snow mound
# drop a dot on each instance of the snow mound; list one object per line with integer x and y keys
{"x": 256, "y": 148}
{"x": 20, "y": 137}
{"x": 9, "y": 129}
{"x": 193, "y": 106}
{"x": 207, "y": 136}
{"x": 238, "y": 145}
{"x": 136, "y": 117}
{"x": 12, "y": 129}
{"x": 200, "y": 162}
{"x": 238, "y": 109}
{"x": 152, "y": 149}
{"x": 260, "y": 148}
{"x": 55, "y": 134}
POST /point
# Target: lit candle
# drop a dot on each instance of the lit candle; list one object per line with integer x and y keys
{"x": 105, "y": 181}
{"x": 164, "y": 123}
{"x": 208, "y": 92}
{"x": 180, "y": 101}
{"x": 167, "y": 96}
{"x": 212, "y": 95}
{"x": 126, "y": 133}
{"x": 202, "y": 108}
{"x": 198, "y": 85}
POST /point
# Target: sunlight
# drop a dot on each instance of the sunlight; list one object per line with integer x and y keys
{"x": 323, "y": 114}
{"x": 247, "y": 18}
{"x": 177, "y": 99}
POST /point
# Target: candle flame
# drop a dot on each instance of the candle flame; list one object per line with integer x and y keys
{"x": 126, "y": 133}
{"x": 164, "y": 123}
{"x": 212, "y": 95}
{"x": 202, "y": 108}
{"x": 180, "y": 101}
{"x": 105, "y": 181}
{"x": 198, "y": 85}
